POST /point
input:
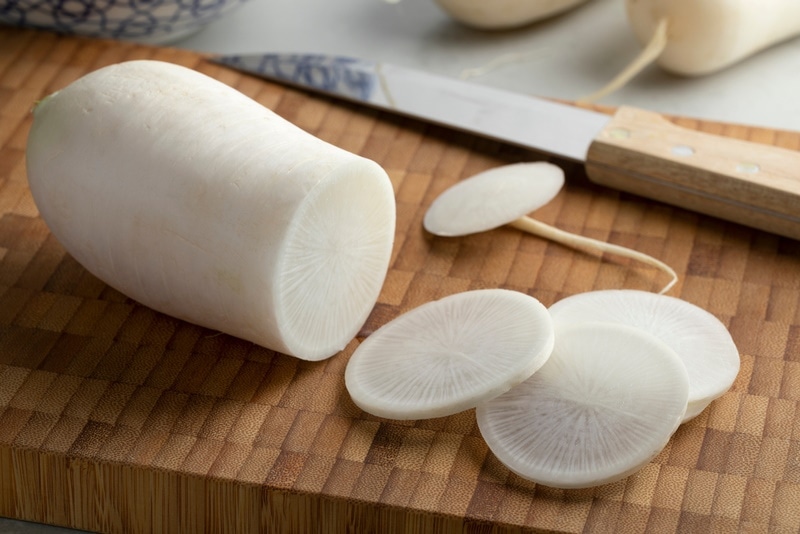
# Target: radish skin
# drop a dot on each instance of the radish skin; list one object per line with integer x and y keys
{"x": 504, "y": 14}
{"x": 195, "y": 200}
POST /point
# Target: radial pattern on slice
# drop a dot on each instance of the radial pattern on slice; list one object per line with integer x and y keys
{"x": 700, "y": 339}
{"x": 448, "y": 355}
{"x": 493, "y": 198}
{"x": 336, "y": 258}
{"x": 605, "y": 403}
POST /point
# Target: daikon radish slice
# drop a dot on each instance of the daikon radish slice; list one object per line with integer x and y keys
{"x": 493, "y": 198}
{"x": 199, "y": 202}
{"x": 606, "y": 403}
{"x": 703, "y": 343}
{"x": 448, "y": 355}
{"x": 503, "y": 195}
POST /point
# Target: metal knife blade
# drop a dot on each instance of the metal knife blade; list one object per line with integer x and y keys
{"x": 564, "y": 131}
{"x": 634, "y": 150}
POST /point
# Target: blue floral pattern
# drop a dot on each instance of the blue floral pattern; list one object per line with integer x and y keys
{"x": 346, "y": 77}
{"x": 153, "y": 21}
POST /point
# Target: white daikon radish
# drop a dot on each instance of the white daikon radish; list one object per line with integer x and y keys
{"x": 503, "y": 195}
{"x": 700, "y": 339}
{"x": 606, "y": 403}
{"x": 448, "y": 355}
{"x": 699, "y": 37}
{"x": 504, "y": 14}
{"x": 704, "y": 36}
{"x": 195, "y": 200}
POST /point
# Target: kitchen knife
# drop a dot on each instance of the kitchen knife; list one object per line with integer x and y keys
{"x": 634, "y": 150}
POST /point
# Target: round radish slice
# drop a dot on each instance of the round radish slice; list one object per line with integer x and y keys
{"x": 700, "y": 339}
{"x": 493, "y": 198}
{"x": 605, "y": 403}
{"x": 448, "y": 355}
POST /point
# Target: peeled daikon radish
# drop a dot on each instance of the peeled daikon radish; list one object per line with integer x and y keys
{"x": 604, "y": 404}
{"x": 703, "y": 343}
{"x": 195, "y": 200}
{"x": 504, "y": 14}
{"x": 448, "y": 355}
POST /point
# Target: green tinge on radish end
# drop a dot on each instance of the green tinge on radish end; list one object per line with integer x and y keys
{"x": 39, "y": 103}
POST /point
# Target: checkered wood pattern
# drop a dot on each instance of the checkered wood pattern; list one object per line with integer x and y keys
{"x": 116, "y": 418}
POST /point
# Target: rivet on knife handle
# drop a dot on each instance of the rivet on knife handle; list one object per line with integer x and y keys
{"x": 749, "y": 183}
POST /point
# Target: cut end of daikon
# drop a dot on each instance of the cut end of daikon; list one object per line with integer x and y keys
{"x": 335, "y": 259}
{"x": 605, "y": 404}
{"x": 448, "y": 355}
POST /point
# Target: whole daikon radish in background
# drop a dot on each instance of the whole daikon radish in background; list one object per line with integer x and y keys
{"x": 504, "y": 14}
{"x": 707, "y": 35}
{"x": 699, "y": 37}
{"x": 195, "y": 200}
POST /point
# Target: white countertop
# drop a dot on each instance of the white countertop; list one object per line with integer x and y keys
{"x": 566, "y": 57}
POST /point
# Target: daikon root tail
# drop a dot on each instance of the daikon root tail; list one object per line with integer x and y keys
{"x": 649, "y": 53}
{"x": 500, "y": 61}
{"x": 547, "y": 231}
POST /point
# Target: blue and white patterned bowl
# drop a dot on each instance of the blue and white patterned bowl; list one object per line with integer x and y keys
{"x": 144, "y": 21}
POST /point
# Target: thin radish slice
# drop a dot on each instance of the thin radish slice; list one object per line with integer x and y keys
{"x": 493, "y": 198}
{"x": 448, "y": 355}
{"x": 504, "y": 195}
{"x": 703, "y": 343}
{"x": 603, "y": 406}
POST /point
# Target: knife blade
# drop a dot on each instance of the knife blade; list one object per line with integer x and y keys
{"x": 633, "y": 150}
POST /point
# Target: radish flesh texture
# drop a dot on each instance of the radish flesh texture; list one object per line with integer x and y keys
{"x": 448, "y": 355}
{"x": 195, "y": 200}
{"x": 604, "y": 404}
{"x": 701, "y": 341}
{"x": 504, "y": 14}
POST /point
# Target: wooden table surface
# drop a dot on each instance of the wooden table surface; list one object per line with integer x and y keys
{"x": 116, "y": 418}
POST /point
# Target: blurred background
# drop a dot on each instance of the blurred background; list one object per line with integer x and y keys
{"x": 567, "y": 56}
{"x": 564, "y": 57}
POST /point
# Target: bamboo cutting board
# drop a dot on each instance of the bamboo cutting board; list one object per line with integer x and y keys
{"x": 116, "y": 418}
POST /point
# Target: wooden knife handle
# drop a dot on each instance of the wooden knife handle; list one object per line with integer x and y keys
{"x": 754, "y": 184}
